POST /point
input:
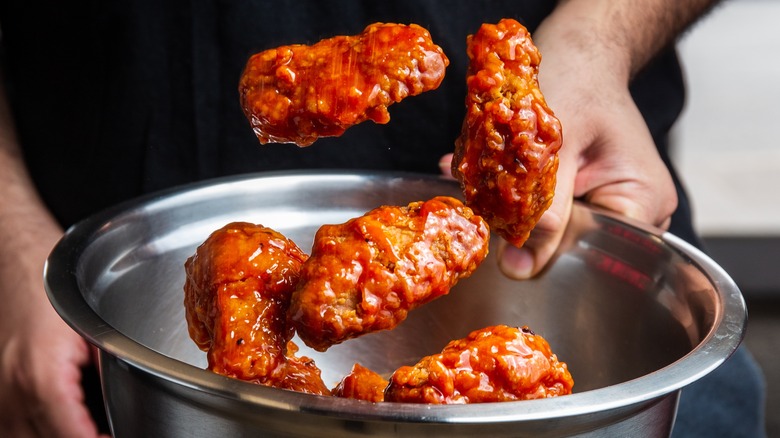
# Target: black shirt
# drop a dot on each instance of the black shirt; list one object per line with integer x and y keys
{"x": 116, "y": 99}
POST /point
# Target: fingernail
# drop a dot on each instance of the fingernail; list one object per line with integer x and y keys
{"x": 517, "y": 262}
{"x": 445, "y": 166}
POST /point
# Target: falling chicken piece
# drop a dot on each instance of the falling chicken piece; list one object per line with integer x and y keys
{"x": 506, "y": 157}
{"x": 298, "y": 93}
{"x": 368, "y": 273}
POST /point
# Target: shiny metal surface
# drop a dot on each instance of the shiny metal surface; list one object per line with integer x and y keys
{"x": 636, "y": 313}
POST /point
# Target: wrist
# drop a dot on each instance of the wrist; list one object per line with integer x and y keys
{"x": 629, "y": 34}
{"x": 580, "y": 37}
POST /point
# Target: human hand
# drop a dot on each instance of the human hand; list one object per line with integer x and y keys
{"x": 40, "y": 367}
{"x": 40, "y": 356}
{"x": 608, "y": 157}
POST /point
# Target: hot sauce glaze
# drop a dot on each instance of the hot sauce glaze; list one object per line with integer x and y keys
{"x": 236, "y": 295}
{"x": 297, "y": 93}
{"x": 240, "y": 281}
{"x": 301, "y": 374}
{"x": 362, "y": 384}
{"x": 366, "y": 274}
{"x": 506, "y": 157}
{"x": 494, "y": 364}
{"x": 248, "y": 286}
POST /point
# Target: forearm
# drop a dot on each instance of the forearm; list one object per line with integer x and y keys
{"x": 27, "y": 229}
{"x": 627, "y": 34}
{"x": 40, "y": 391}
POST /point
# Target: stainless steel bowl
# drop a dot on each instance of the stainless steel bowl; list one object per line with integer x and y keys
{"x": 636, "y": 313}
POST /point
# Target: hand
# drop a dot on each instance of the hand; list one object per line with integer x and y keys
{"x": 608, "y": 157}
{"x": 40, "y": 361}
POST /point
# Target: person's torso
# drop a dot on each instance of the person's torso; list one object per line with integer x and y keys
{"x": 117, "y": 99}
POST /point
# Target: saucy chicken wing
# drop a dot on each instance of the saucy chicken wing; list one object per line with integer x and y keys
{"x": 236, "y": 295}
{"x": 506, "y": 157}
{"x": 366, "y": 274}
{"x": 362, "y": 384}
{"x": 494, "y": 364}
{"x": 297, "y": 93}
{"x": 301, "y": 374}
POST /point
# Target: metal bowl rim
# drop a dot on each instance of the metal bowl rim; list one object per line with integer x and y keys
{"x": 63, "y": 291}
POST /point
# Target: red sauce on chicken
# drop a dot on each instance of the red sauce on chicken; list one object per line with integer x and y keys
{"x": 298, "y": 93}
{"x": 494, "y": 364}
{"x": 366, "y": 274}
{"x": 506, "y": 157}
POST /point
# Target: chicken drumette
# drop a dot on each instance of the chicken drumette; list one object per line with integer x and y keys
{"x": 506, "y": 156}
{"x": 366, "y": 274}
{"x": 236, "y": 295}
{"x": 297, "y": 93}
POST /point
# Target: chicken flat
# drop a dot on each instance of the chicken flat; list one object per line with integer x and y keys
{"x": 506, "y": 157}
{"x": 368, "y": 273}
{"x": 298, "y": 93}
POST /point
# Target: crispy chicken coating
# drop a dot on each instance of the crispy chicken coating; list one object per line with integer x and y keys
{"x": 236, "y": 295}
{"x": 297, "y": 93}
{"x": 494, "y": 364}
{"x": 362, "y": 384}
{"x": 366, "y": 274}
{"x": 301, "y": 374}
{"x": 506, "y": 157}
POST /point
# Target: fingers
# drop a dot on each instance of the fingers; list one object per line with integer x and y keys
{"x": 610, "y": 161}
{"x": 63, "y": 411}
{"x": 624, "y": 173}
{"x": 445, "y": 165}
{"x": 40, "y": 384}
{"x": 527, "y": 261}
{"x": 633, "y": 201}
{"x": 58, "y": 412}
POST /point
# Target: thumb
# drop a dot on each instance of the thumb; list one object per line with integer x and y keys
{"x": 527, "y": 261}
{"x": 445, "y": 166}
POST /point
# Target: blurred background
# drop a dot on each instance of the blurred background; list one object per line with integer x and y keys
{"x": 727, "y": 149}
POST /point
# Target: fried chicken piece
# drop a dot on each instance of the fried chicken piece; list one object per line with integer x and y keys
{"x": 297, "y": 93}
{"x": 506, "y": 157}
{"x": 494, "y": 364}
{"x": 302, "y": 374}
{"x": 366, "y": 274}
{"x": 362, "y": 384}
{"x": 236, "y": 295}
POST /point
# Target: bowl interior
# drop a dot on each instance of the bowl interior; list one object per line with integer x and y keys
{"x": 618, "y": 303}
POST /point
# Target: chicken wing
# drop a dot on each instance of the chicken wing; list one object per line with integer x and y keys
{"x": 297, "y": 93}
{"x": 236, "y": 295}
{"x": 301, "y": 374}
{"x": 366, "y": 274}
{"x": 506, "y": 157}
{"x": 494, "y": 364}
{"x": 362, "y": 384}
